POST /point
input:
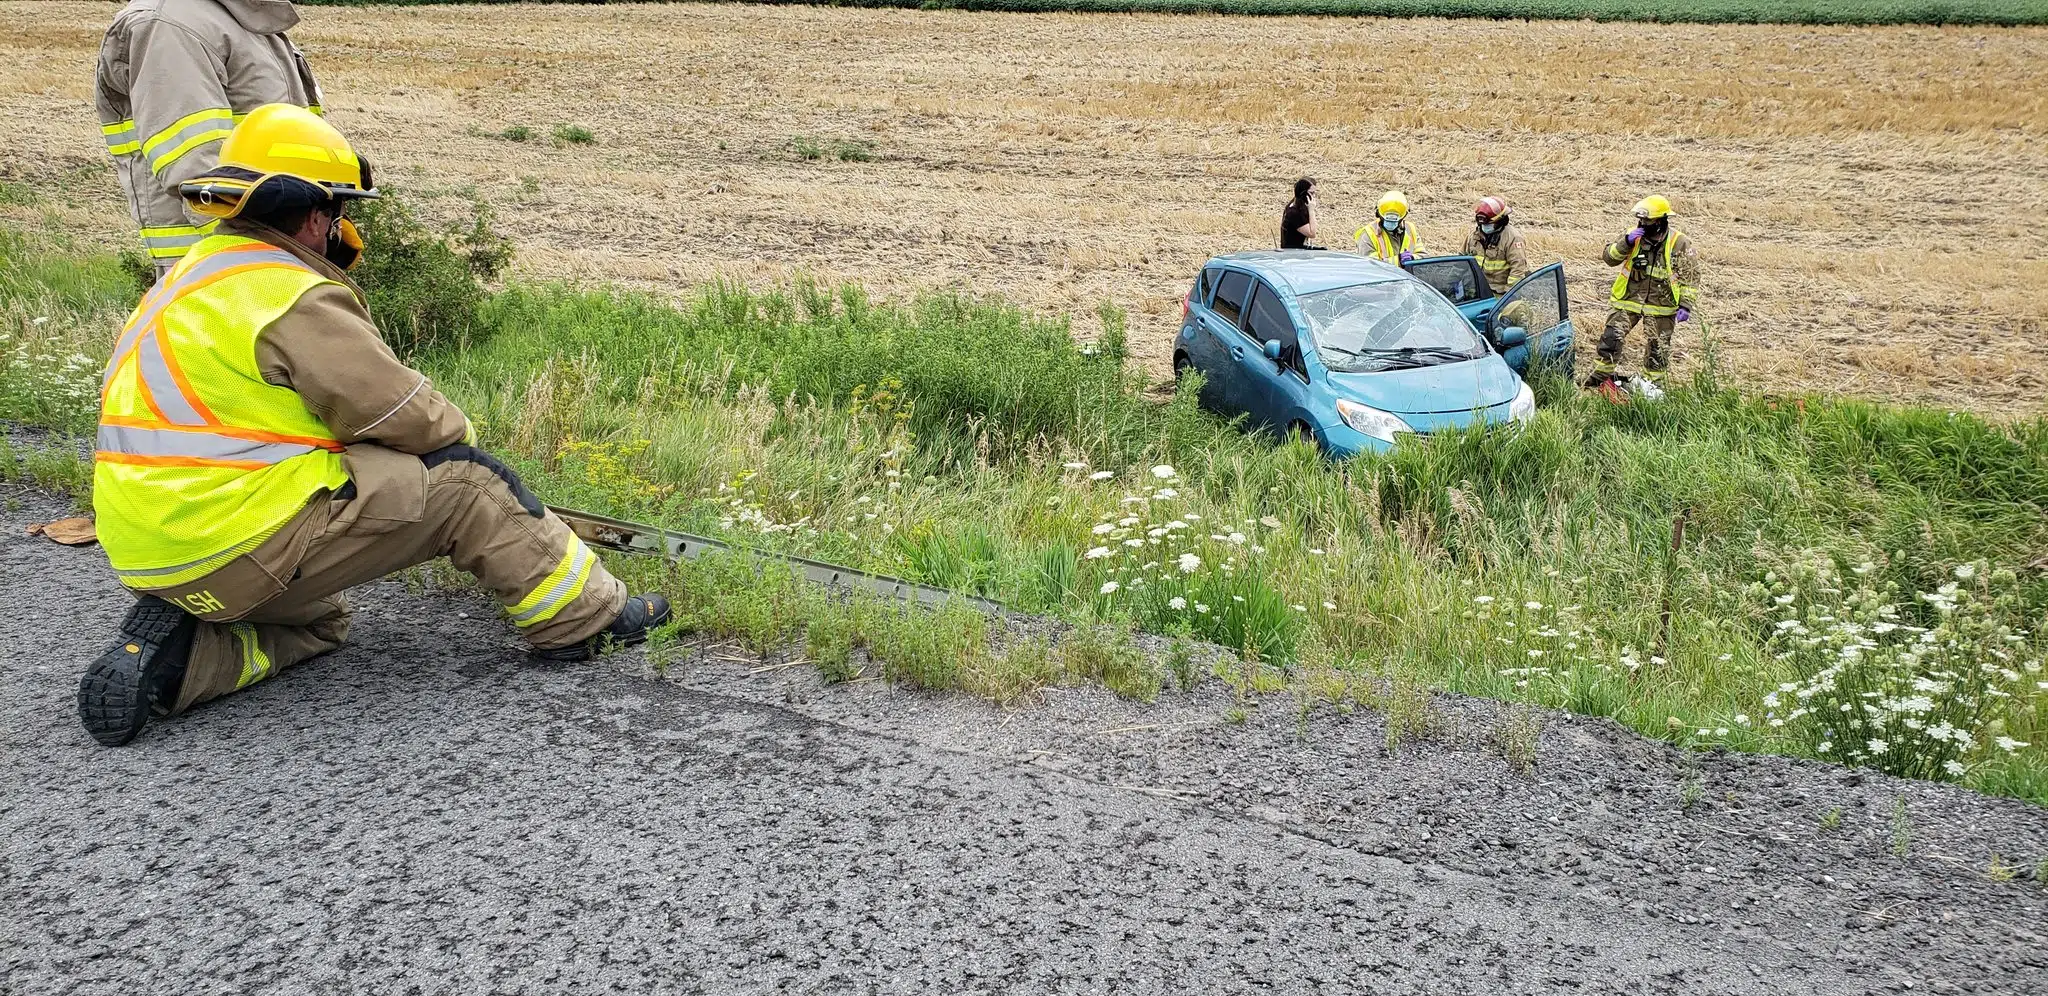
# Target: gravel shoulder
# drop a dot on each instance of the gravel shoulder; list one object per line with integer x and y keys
{"x": 427, "y": 811}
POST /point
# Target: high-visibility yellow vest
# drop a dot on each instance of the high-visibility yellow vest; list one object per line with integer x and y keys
{"x": 1665, "y": 273}
{"x": 1383, "y": 247}
{"x": 199, "y": 459}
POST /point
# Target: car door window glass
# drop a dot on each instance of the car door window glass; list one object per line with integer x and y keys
{"x": 1231, "y": 291}
{"x": 1535, "y": 304}
{"x": 1458, "y": 279}
{"x": 1268, "y": 319}
{"x": 1204, "y": 285}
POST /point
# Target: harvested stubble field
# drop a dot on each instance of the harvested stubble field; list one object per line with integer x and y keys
{"x": 1869, "y": 201}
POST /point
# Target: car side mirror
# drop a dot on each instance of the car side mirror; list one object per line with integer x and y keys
{"x": 1513, "y": 336}
{"x": 1272, "y": 350}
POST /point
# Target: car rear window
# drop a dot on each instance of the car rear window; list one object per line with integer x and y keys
{"x": 1204, "y": 284}
{"x": 1230, "y": 294}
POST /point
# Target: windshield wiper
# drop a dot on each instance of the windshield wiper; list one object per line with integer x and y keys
{"x": 1407, "y": 351}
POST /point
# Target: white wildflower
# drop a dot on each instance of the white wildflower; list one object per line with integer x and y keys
{"x": 1189, "y": 563}
{"x": 1109, "y": 587}
{"x": 1103, "y": 528}
{"x": 1878, "y": 746}
{"x": 1176, "y": 603}
{"x": 1965, "y": 572}
{"x": 2009, "y": 745}
{"x": 1098, "y": 553}
{"x": 1102, "y": 475}
{"x": 1076, "y": 465}
{"x": 1164, "y": 472}
{"x": 1203, "y": 609}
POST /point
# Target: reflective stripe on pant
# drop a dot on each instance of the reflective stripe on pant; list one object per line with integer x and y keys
{"x": 405, "y": 513}
{"x": 1656, "y": 335}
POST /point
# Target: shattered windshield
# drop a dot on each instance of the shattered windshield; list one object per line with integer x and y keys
{"x": 1387, "y": 326}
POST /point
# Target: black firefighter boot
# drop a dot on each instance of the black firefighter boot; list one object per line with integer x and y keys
{"x": 140, "y": 675}
{"x": 642, "y": 615}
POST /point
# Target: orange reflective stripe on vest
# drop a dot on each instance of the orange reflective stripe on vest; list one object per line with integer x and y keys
{"x": 176, "y": 440}
{"x": 215, "y": 266}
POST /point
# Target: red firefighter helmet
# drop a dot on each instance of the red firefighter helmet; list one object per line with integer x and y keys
{"x": 1490, "y": 209}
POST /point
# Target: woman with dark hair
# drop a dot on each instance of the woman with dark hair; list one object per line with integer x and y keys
{"x": 1298, "y": 219}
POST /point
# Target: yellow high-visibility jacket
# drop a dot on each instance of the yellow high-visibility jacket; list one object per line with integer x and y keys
{"x": 1669, "y": 282}
{"x": 174, "y": 77}
{"x": 199, "y": 458}
{"x": 1386, "y": 246}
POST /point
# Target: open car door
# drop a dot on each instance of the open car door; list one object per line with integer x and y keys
{"x": 1531, "y": 324}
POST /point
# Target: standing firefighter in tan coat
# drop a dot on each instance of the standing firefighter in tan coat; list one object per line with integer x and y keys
{"x": 261, "y": 450}
{"x": 174, "y": 76}
{"x": 1658, "y": 286}
{"x": 1497, "y": 244}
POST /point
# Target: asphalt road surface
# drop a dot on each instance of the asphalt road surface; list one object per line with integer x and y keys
{"x": 427, "y": 812}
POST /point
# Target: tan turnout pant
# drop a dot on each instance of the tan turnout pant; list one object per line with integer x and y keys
{"x": 282, "y": 603}
{"x": 1656, "y": 340}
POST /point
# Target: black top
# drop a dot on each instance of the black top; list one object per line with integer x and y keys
{"x": 1291, "y": 220}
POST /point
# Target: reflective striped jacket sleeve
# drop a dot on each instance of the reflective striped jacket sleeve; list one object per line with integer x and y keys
{"x": 178, "y": 100}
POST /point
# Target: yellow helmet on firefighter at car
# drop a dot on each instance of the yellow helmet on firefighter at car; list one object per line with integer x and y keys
{"x": 1653, "y": 207}
{"x": 278, "y": 140}
{"x": 1393, "y": 202}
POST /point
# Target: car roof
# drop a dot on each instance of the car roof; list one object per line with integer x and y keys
{"x": 1306, "y": 271}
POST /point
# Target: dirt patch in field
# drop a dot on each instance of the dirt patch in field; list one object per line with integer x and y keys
{"x": 1868, "y": 201}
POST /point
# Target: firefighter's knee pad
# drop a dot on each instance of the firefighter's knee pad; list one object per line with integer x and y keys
{"x": 469, "y": 454}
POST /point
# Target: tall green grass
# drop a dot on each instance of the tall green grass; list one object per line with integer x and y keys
{"x": 967, "y": 444}
{"x": 1999, "y": 12}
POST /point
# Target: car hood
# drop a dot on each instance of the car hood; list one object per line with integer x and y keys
{"x": 1443, "y": 389}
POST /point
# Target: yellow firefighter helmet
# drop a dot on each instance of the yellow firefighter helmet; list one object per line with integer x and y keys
{"x": 278, "y": 140}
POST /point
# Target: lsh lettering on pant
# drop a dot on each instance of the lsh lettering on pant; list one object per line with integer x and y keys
{"x": 200, "y": 603}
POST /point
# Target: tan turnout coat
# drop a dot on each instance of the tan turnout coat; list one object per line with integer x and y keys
{"x": 174, "y": 76}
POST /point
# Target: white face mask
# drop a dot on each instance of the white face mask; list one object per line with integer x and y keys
{"x": 1390, "y": 222}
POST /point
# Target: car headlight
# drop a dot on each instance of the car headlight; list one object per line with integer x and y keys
{"x": 1524, "y": 407}
{"x": 1371, "y": 421}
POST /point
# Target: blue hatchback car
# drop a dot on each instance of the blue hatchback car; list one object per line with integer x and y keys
{"x": 1355, "y": 352}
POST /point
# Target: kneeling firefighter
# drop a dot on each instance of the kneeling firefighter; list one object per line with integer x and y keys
{"x": 1658, "y": 286}
{"x": 261, "y": 450}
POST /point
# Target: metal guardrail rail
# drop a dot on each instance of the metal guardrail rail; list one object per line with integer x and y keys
{"x": 638, "y": 537}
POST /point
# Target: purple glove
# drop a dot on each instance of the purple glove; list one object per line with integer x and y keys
{"x": 1684, "y": 315}
{"x": 1634, "y": 235}
{"x": 1407, "y": 257}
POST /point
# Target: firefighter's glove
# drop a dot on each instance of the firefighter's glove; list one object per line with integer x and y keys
{"x": 1634, "y": 235}
{"x": 1684, "y": 315}
{"x": 1407, "y": 257}
{"x": 461, "y": 451}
